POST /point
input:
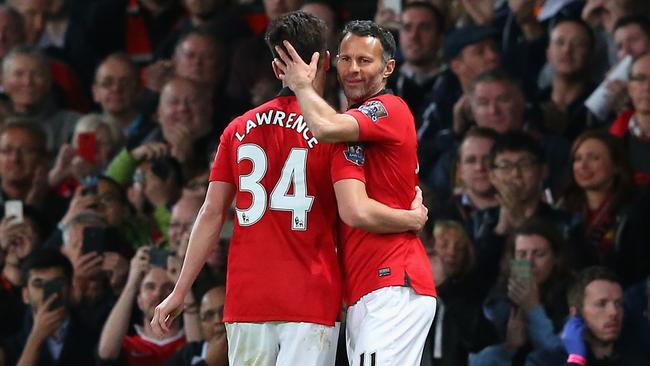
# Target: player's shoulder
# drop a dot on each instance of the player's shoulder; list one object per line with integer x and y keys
{"x": 383, "y": 104}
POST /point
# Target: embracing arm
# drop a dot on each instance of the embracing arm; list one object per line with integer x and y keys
{"x": 324, "y": 122}
{"x": 360, "y": 211}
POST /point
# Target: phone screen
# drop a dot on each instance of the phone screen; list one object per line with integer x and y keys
{"x": 520, "y": 268}
{"x": 158, "y": 257}
{"x": 53, "y": 287}
{"x": 395, "y": 5}
{"x": 94, "y": 239}
{"x": 14, "y": 208}
{"x": 87, "y": 146}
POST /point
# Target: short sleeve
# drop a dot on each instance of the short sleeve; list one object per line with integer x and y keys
{"x": 347, "y": 162}
{"x": 380, "y": 119}
{"x": 221, "y": 166}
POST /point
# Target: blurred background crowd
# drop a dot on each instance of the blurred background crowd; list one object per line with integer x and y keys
{"x": 533, "y": 122}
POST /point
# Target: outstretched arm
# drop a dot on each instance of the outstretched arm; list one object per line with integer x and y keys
{"x": 204, "y": 236}
{"x": 324, "y": 122}
{"x": 360, "y": 211}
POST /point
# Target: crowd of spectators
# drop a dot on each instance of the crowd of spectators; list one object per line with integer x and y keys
{"x": 533, "y": 122}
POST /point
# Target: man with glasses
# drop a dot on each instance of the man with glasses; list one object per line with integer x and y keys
{"x": 517, "y": 169}
{"x": 24, "y": 171}
{"x": 633, "y": 126}
{"x": 213, "y": 350}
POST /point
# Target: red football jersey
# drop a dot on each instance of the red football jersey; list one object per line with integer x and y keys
{"x": 372, "y": 261}
{"x": 282, "y": 264}
{"x": 141, "y": 350}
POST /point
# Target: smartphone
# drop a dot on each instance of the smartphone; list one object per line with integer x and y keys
{"x": 158, "y": 257}
{"x": 520, "y": 269}
{"x": 14, "y": 208}
{"x": 87, "y": 146}
{"x": 94, "y": 240}
{"x": 395, "y": 5}
{"x": 50, "y": 288}
{"x": 160, "y": 168}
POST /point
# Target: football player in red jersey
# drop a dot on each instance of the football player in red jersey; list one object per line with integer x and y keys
{"x": 388, "y": 281}
{"x": 283, "y": 291}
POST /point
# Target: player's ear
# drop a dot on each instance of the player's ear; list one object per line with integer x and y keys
{"x": 327, "y": 60}
{"x": 276, "y": 69}
{"x": 573, "y": 310}
{"x": 390, "y": 67}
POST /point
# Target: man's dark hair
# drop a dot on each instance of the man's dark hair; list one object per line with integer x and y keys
{"x": 31, "y": 127}
{"x": 203, "y": 33}
{"x": 516, "y": 141}
{"x": 576, "y": 293}
{"x": 305, "y": 32}
{"x": 367, "y": 28}
{"x": 438, "y": 18}
{"x": 46, "y": 258}
{"x": 478, "y": 132}
{"x": 582, "y": 24}
{"x": 494, "y": 75}
{"x": 641, "y": 20}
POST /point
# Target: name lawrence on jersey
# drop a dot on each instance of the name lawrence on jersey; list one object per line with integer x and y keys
{"x": 274, "y": 117}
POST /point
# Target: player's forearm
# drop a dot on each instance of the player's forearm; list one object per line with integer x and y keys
{"x": 30, "y": 353}
{"x": 117, "y": 324}
{"x": 324, "y": 122}
{"x": 381, "y": 219}
{"x": 204, "y": 236}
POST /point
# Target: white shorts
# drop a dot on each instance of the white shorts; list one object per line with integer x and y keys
{"x": 281, "y": 344}
{"x": 389, "y": 327}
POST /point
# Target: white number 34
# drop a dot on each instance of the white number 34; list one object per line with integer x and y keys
{"x": 293, "y": 173}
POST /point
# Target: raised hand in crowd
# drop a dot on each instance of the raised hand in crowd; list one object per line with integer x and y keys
{"x": 516, "y": 332}
{"x": 512, "y": 209}
{"x": 524, "y": 12}
{"x": 158, "y": 73}
{"x": 386, "y": 17}
{"x": 62, "y": 166}
{"x": 523, "y": 293}
{"x": 117, "y": 268}
{"x": 619, "y": 98}
{"x": 180, "y": 143}
{"x": 46, "y": 322}
{"x": 462, "y": 115}
{"x": 159, "y": 191}
{"x": 16, "y": 242}
{"x": 38, "y": 188}
{"x": 481, "y": 11}
{"x": 153, "y": 150}
{"x": 82, "y": 201}
{"x": 217, "y": 354}
{"x": 86, "y": 266}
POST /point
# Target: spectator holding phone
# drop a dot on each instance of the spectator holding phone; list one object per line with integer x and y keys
{"x": 23, "y": 163}
{"x": 527, "y": 305}
{"x": 57, "y": 337}
{"x": 146, "y": 286}
{"x": 93, "y": 145}
{"x": 18, "y": 238}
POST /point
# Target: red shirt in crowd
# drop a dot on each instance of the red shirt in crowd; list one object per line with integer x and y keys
{"x": 141, "y": 350}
